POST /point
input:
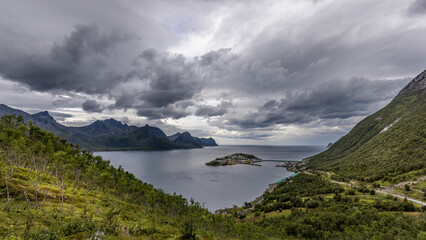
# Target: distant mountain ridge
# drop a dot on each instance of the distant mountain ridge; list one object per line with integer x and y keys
{"x": 385, "y": 145}
{"x": 185, "y": 140}
{"x": 110, "y": 134}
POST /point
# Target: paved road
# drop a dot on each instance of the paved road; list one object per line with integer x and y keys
{"x": 383, "y": 192}
{"x": 399, "y": 196}
{"x": 341, "y": 183}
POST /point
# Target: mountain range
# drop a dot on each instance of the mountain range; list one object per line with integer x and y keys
{"x": 110, "y": 134}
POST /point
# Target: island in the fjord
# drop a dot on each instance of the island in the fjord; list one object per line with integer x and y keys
{"x": 236, "y": 158}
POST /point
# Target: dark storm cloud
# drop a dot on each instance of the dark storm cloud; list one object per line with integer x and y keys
{"x": 332, "y": 100}
{"x": 76, "y": 64}
{"x": 342, "y": 99}
{"x": 84, "y": 62}
{"x": 171, "y": 79}
{"x": 92, "y": 106}
{"x": 170, "y": 111}
{"x": 210, "y": 111}
{"x": 125, "y": 101}
{"x": 163, "y": 85}
{"x": 418, "y": 7}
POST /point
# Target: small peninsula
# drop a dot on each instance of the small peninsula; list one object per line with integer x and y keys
{"x": 236, "y": 158}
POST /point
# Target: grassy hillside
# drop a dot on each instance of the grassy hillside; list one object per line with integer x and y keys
{"x": 50, "y": 189}
{"x": 384, "y": 145}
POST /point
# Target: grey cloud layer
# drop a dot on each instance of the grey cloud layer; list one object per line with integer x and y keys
{"x": 210, "y": 111}
{"x": 282, "y": 69}
{"x": 80, "y": 63}
{"x": 418, "y": 7}
{"x": 333, "y": 100}
{"x": 85, "y": 62}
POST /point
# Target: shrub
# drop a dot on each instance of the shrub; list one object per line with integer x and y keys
{"x": 351, "y": 192}
{"x": 407, "y": 187}
{"x": 188, "y": 230}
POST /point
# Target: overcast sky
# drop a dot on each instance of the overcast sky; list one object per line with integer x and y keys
{"x": 243, "y": 72}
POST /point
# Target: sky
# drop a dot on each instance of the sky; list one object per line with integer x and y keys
{"x": 284, "y": 72}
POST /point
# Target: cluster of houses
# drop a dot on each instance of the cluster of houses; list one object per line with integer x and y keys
{"x": 237, "y": 158}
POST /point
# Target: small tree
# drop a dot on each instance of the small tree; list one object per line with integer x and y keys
{"x": 188, "y": 229}
{"x": 407, "y": 187}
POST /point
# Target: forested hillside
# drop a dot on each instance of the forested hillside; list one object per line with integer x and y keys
{"x": 50, "y": 189}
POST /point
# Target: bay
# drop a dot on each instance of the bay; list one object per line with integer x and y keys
{"x": 184, "y": 171}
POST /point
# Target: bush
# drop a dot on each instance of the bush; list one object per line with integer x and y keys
{"x": 312, "y": 204}
{"x": 363, "y": 190}
{"x": 188, "y": 230}
{"x": 407, "y": 187}
{"x": 351, "y": 192}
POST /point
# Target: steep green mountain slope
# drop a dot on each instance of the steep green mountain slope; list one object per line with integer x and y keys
{"x": 384, "y": 145}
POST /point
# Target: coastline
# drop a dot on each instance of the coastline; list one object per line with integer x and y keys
{"x": 175, "y": 160}
{"x": 258, "y": 199}
{"x": 143, "y": 149}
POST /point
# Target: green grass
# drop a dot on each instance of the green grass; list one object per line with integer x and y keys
{"x": 39, "y": 170}
{"x": 79, "y": 205}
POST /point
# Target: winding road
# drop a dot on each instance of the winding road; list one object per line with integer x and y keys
{"x": 384, "y": 192}
{"x": 399, "y": 196}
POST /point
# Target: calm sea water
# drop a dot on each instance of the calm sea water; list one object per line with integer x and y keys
{"x": 184, "y": 171}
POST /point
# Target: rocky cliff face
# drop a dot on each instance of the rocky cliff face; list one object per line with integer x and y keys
{"x": 418, "y": 84}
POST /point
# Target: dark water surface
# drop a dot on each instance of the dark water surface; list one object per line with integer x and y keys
{"x": 184, "y": 171}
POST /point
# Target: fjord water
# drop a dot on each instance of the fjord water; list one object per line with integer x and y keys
{"x": 184, "y": 171}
